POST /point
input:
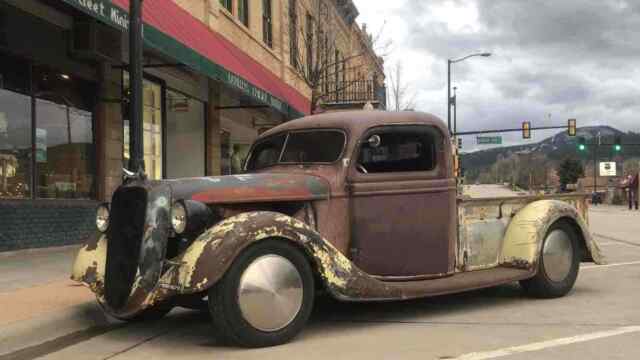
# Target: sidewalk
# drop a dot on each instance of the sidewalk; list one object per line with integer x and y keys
{"x": 39, "y": 302}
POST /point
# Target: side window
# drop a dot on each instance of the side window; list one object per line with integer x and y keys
{"x": 399, "y": 150}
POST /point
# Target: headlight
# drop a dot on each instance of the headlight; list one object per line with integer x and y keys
{"x": 102, "y": 218}
{"x": 178, "y": 217}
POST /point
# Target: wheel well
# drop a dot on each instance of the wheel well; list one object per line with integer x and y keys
{"x": 577, "y": 230}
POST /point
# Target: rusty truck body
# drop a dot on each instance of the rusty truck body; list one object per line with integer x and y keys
{"x": 362, "y": 205}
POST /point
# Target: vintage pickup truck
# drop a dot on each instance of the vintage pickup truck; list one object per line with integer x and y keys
{"x": 362, "y": 206}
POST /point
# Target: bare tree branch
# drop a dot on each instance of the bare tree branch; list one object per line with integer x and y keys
{"x": 402, "y": 97}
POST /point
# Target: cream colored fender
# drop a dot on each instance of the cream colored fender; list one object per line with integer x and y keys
{"x": 523, "y": 239}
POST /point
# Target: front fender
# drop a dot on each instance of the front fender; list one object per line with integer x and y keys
{"x": 213, "y": 252}
{"x": 526, "y": 231}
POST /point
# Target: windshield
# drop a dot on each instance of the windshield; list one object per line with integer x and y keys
{"x": 297, "y": 147}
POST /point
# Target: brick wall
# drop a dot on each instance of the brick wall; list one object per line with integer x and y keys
{"x": 33, "y": 224}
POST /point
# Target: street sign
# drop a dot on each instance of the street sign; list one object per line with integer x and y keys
{"x": 608, "y": 168}
{"x": 488, "y": 140}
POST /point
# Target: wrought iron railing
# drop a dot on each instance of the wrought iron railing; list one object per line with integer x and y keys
{"x": 357, "y": 91}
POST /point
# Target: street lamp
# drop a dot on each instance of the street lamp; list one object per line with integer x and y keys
{"x": 449, "y": 100}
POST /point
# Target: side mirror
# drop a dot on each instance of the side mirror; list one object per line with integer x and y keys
{"x": 374, "y": 141}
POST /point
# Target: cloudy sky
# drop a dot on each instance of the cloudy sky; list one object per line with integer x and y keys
{"x": 552, "y": 59}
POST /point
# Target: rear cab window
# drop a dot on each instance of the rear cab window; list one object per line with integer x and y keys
{"x": 400, "y": 149}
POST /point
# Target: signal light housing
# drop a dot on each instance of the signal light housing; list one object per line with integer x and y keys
{"x": 571, "y": 127}
{"x": 526, "y": 130}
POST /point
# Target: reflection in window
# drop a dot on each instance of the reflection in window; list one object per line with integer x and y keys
{"x": 398, "y": 151}
{"x": 15, "y": 145}
{"x": 152, "y": 127}
{"x": 318, "y": 146}
{"x": 64, "y": 151}
{"x": 266, "y": 152}
{"x": 185, "y": 136}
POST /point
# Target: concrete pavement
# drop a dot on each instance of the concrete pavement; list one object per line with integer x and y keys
{"x": 470, "y": 326}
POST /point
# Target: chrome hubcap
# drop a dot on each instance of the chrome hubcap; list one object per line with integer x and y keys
{"x": 557, "y": 255}
{"x": 270, "y": 293}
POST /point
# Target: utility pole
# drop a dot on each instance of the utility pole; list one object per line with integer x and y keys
{"x": 136, "y": 154}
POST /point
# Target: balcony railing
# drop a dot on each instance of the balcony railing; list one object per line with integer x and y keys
{"x": 357, "y": 91}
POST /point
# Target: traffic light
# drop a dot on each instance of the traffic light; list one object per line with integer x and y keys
{"x": 617, "y": 145}
{"x": 526, "y": 130}
{"x": 582, "y": 144}
{"x": 459, "y": 143}
{"x": 571, "y": 127}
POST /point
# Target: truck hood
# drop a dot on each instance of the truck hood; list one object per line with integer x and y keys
{"x": 246, "y": 188}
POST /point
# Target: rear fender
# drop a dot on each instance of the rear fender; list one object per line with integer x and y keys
{"x": 525, "y": 233}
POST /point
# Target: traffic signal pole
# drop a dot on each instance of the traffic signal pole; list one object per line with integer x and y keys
{"x": 507, "y": 130}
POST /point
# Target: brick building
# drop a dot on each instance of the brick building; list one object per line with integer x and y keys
{"x": 217, "y": 73}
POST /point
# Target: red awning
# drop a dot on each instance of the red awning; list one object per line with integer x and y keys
{"x": 174, "y": 21}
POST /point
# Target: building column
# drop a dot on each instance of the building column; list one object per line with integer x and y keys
{"x": 109, "y": 132}
{"x": 214, "y": 150}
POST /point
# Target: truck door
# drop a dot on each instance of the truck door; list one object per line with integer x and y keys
{"x": 402, "y": 202}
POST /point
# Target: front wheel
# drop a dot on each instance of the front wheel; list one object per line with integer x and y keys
{"x": 558, "y": 263}
{"x": 266, "y": 296}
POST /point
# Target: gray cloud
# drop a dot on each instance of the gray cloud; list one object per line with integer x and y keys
{"x": 568, "y": 58}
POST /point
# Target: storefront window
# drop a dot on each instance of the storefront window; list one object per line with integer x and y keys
{"x": 152, "y": 127}
{"x": 63, "y": 136}
{"x": 64, "y": 150}
{"x": 185, "y": 136}
{"x": 15, "y": 145}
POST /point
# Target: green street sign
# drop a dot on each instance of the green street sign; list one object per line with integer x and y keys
{"x": 489, "y": 140}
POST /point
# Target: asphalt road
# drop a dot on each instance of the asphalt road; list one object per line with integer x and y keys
{"x": 600, "y": 319}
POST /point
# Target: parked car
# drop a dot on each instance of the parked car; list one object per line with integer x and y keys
{"x": 361, "y": 205}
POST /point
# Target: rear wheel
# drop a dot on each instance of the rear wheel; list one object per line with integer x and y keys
{"x": 266, "y": 296}
{"x": 558, "y": 264}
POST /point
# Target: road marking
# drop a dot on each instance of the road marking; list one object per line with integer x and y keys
{"x": 586, "y": 267}
{"x": 548, "y": 344}
{"x": 610, "y": 238}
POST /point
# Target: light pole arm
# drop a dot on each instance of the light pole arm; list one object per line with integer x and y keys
{"x": 468, "y": 56}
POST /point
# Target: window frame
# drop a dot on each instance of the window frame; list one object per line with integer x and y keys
{"x": 438, "y": 171}
{"x": 243, "y": 12}
{"x": 286, "y": 140}
{"x": 267, "y": 19}
{"x": 293, "y": 33}
{"x": 227, "y": 5}
{"x": 32, "y": 94}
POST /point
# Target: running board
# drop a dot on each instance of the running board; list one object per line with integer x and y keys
{"x": 394, "y": 290}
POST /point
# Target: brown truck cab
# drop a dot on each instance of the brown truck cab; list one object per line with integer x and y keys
{"x": 361, "y": 205}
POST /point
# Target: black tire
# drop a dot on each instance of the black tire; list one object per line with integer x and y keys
{"x": 541, "y": 285}
{"x": 229, "y": 324}
{"x": 153, "y": 313}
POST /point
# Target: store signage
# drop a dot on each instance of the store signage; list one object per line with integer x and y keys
{"x": 607, "y": 168}
{"x": 244, "y": 85}
{"x": 103, "y": 10}
{"x": 486, "y": 140}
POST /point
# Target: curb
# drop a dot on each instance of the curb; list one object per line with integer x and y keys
{"x": 38, "y": 251}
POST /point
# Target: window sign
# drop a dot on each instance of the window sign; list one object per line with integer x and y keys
{"x": 41, "y": 145}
